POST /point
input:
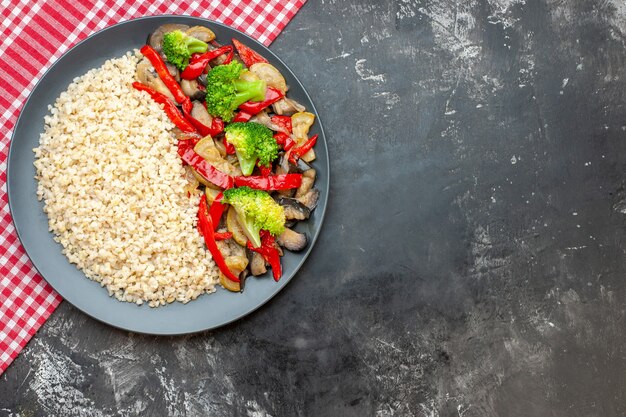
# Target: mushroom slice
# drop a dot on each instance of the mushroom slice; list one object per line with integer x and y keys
{"x": 173, "y": 71}
{"x": 308, "y": 178}
{"x": 294, "y": 210}
{"x": 269, "y": 74}
{"x": 192, "y": 90}
{"x": 201, "y": 33}
{"x": 155, "y": 40}
{"x": 301, "y": 122}
{"x": 287, "y": 107}
{"x": 292, "y": 240}
{"x": 199, "y": 112}
{"x": 146, "y": 74}
{"x": 264, "y": 119}
{"x": 257, "y": 264}
{"x": 310, "y": 199}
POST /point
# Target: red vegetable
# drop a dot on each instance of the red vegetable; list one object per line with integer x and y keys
{"x": 282, "y": 121}
{"x": 248, "y": 56}
{"x": 216, "y": 210}
{"x": 271, "y": 182}
{"x": 272, "y": 95}
{"x": 199, "y": 62}
{"x": 202, "y": 167}
{"x": 284, "y": 140}
{"x": 164, "y": 74}
{"x": 170, "y": 108}
{"x": 242, "y": 116}
{"x": 222, "y": 235}
{"x": 265, "y": 170}
{"x": 217, "y": 125}
{"x": 296, "y": 153}
{"x": 269, "y": 252}
{"x": 205, "y": 224}
{"x": 230, "y": 148}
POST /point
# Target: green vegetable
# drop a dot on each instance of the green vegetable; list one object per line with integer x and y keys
{"x": 225, "y": 91}
{"x": 178, "y": 47}
{"x": 253, "y": 142}
{"x": 256, "y": 210}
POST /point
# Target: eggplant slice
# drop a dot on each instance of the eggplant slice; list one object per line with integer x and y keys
{"x": 294, "y": 209}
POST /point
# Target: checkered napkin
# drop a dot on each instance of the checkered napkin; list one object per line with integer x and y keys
{"x": 26, "y": 300}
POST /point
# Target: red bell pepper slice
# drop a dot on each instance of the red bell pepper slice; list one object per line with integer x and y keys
{"x": 170, "y": 108}
{"x": 199, "y": 62}
{"x": 230, "y": 148}
{"x": 266, "y": 171}
{"x": 297, "y": 152}
{"x": 217, "y": 125}
{"x": 248, "y": 56}
{"x": 272, "y": 95}
{"x": 269, "y": 252}
{"x": 164, "y": 74}
{"x": 282, "y": 121}
{"x": 242, "y": 116}
{"x": 216, "y": 210}
{"x": 284, "y": 140}
{"x": 271, "y": 182}
{"x": 205, "y": 225}
{"x": 202, "y": 167}
{"x": 222, "y": 235}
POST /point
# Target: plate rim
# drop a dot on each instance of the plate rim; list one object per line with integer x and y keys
{"x": 246, "y": 312}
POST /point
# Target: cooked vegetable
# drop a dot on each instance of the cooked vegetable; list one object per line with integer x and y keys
{"x": 233, "y": 225}
{"x": 164, "y": 74}
{"x": 202, "y": 167}
{"x": 256, "y": 210}
{"x": 270, "y": 182}
{"x": 168, "y": 106}
{"x": 257, "y": 264}
{"x": 236, "y": 265}
{"x": 294, "y": 210}
{"x": 178, "y": 47}
{"x": 192, "y": 89}
{"x": 205, "y": 224}
{"x": 253, "y": 142}
{"x": 292, "y": 240}
{"x": 155, "y": 39}
{"x": 200, "y": 32}
{"x": 248, "y": 56}
{"x": 270, "y": 253}
{"x": 262, "y": 128}
{"x": 310, "y": 198}
{"x": 225, "y": 91}
{"x": 199, "y": 63}
{"x": 287, "y": 107}
{"x": 300, "y": 151}
{"x": 302, "y": 122}
{"x": 252, "y": 107}
{"x": 269, "y": 74}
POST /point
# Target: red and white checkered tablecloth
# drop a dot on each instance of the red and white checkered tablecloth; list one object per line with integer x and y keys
{"x": 26, "y": 300}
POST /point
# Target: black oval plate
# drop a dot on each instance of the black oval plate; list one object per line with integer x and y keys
{"x": 206, "y": 312}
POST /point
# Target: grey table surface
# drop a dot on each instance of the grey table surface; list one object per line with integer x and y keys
{"x": 472, "y": 261}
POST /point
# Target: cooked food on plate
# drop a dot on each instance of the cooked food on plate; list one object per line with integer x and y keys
{"x": 178, "y": 167}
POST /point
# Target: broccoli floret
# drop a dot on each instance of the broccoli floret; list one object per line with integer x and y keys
{"x": 225, "y": 91}
{"x": 178, "y": 47}
{"x": 253, "y": 142}
{"x": 256, "y": 210}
